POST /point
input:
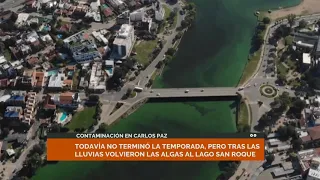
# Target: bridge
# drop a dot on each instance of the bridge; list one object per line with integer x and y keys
{"x": 190, "y": 92}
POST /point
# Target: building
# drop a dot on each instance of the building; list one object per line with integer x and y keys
{"x": 117, "y": 4}
{"x": 16, "y": 98}
{"x": 159, "y": 11}
{"x": 304, "y": 41}
{"x": 123, "y": 18}
{"x": 13, "y": 114}
{"x": 38, "y": 80}
{"x": 97, "y": 81}
{"x": 314, "y": 170}
{"x": 56, "y": 82}
{"x": 100, "y": 36}
{"x": 123, "y": 43}
{"x": 107, "y": 12}
{"x": 82, "y": 48}
{"x": 22, "y": 19}
{"x": 109, "y": 64}
{"x": 285, "y": 169}
{"x": 49, "y": 103}
{"x": 29, "y": 111}
{"x": 65, "y": 100}
{"x": 46, "y": 39}
{"x": 138, "y": 15}
{"x": 306, "y": 60}
{"x": 7, "y": 16}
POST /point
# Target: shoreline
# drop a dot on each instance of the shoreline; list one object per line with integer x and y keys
{"x": 306, "y": 7}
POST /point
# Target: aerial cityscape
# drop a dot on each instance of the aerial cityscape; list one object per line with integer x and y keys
{"x": 189, "y": 68}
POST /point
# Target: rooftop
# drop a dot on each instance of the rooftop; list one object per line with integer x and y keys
{"x": 314, "y": 132}
{"x": 306, "y": 58}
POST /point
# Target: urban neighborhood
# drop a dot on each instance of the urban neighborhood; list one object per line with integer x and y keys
{"x": 79, "y": 66}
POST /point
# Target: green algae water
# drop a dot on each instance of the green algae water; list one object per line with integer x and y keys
{"x": 212, "y": 53}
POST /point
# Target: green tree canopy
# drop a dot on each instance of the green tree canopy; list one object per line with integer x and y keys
{"x": 291, "y": 18}
{"x": 303, "y": 23}
{"x": 266, "y": 20}
{"x": 270, "y": 158}
{"x": 288, "y": 40}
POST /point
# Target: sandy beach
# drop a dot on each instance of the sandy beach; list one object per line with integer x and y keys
{"x": 304, "y": 8}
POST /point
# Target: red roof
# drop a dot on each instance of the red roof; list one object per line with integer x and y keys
{"x": 33, "y": 60}
{"x": 107, "y": 12}
{"x": 66, "y": 98}
{"x": 314, "y": 132}
{"x": 48, "y": 104}
{"x": 306, "y": 138}
{"x": 37, "y": 78}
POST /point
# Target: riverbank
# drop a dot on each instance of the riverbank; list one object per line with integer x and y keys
{"x": 304, "y": 8}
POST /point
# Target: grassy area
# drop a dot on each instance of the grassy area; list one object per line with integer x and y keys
{"x": 75, "y": 80}
{"x": 295, "y": 83}
{"x": 155, "y": 74}
{"x": 175, "y": 20}
{"x": 250, "y": 67}
{"x": 144, "y": 50}
{"x": 7, "y": 55}
{"x": 83, "y": 119}
{"x": 291, "y": 63}
{"x": 133, "y": 94}
{"x": 167, "y": 11}
{"x": 243, "y": 117}
{"x": 281, "y": 68}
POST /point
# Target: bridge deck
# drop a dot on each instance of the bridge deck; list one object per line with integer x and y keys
{"x": 192, "y": 92}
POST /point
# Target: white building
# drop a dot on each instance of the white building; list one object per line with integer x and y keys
{"x": 46, "y": 38}
{"x": 100, "y": 37}
{"x": 314, "y": 171}
{"x": 56, "y": 81}
{"x": 123, "y": 43}
{"x": 83, "y": 48}
{"x": 2, "y": 59}
{"x": 137, "y": 15}
{"x": 306, "y": 58}
{"x": 22, "y": 19}
{"x": 158, "y": 11}
{"x": 97, "y": 78}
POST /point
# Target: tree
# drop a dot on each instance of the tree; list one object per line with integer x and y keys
{"x": 291, "y": 18}
{"x": 299, "y": 105}
{"x": 266, "y": 20}
{"x": 303, "y": 23}
{"x": 102, "y": 128}
{"x": 282, "y": 78}
{"x": 288, "y": 40}
{"x": 285, "y": 99}
{"x": 172, "y": 15}
{"x": 171, "y": 51}
{"x": 129, "y": 91}
{"x": 297, "y": 144}
{"x": 59, "y": 43}
{"x": 159, "y": 64}
{"x": 283, "y": 131}
{"x": 55, "y": 128}
{"x": 270, "y": 158}
{"x": 258, "y": 40}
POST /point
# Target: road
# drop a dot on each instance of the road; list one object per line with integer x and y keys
{"x": 145, "y": 75}
{"x": 11, "y": 4}
{"x": 190, "y": 92}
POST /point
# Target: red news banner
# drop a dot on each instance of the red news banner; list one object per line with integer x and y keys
{"x": 171, "y": 149}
